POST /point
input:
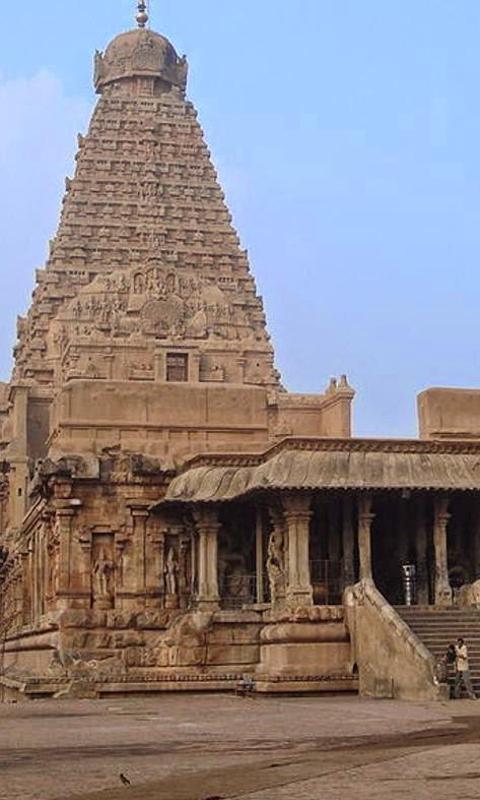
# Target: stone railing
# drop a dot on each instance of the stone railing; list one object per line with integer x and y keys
{"x": 390, "y": 658}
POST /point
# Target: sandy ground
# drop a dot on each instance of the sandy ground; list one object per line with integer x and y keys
{"x": 199, "y": 747}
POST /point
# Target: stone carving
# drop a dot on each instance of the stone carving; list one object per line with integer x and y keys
{"x": 276, "y": 567}
{"x": 469, "y": 594}
{"x": 171, "y": 573}
{"x": 99, "y": 70}
{"x": 91, "y": 370}
{"x": 52, "y": 580}
{"x": 102, "y": 578}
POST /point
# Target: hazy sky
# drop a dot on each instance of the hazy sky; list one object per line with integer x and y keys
{"x": 347, "y": 138}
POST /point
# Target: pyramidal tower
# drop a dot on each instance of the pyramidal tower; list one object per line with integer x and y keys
{"x": 145, "y": 252}
{"x": 145, "y": 347}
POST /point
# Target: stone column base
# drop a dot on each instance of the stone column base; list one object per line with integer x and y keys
{"x": 208, "y": 603}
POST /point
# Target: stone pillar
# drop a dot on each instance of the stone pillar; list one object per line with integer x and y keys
{"x": 82, "y": 571}
{"x": 34, "y": 577}
{"x": 156, "y": 564}
{"x": 123, "y": 574}
{"x": 421, "y": 552}
{"x": 63, "y": 523}
{"x": 208, "y": 526}
{"x": 241, "y": 364}
{"x": 18, "y": 588}
{"x": 348, "y": 542}
{"x": 184, "y": 567}
{"x": 131, "y": 547}
{"x": 159, "y": 366}
{"x": 259, "y": 561}
{"x": 25, "y": 583}
{"x": 194, "y": 367}
{"x": 18, "y": 459}
{"x": 297, "y": 512}
{"x": 140, "y": 517}
{"x": 109, "y": 359}
{"x": 443, "y": 590}
{"x": 365, "y": 519}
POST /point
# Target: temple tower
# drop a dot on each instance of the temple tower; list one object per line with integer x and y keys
{"x": 145, "y": 252}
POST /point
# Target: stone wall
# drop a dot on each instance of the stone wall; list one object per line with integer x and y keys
{"x": 449, "y": 413}
{"x": 391, "y": 661}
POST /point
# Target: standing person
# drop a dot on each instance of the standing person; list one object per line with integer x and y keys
{"x": 462, "y": 671}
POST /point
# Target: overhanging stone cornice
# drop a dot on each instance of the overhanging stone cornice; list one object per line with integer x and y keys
{"x": 330, "y": 464}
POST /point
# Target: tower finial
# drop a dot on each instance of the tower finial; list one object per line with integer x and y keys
{"x": 142, "y": 15}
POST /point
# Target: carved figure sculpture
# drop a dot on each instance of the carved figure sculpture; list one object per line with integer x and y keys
{"x": 171, "y": 571}
{"x": 469, "y": 594}
{"x": 275, "y": 566}
{"x": 102, "y": 576}
{"x": 52, "y": 572}
{"x": 91, "y": 370}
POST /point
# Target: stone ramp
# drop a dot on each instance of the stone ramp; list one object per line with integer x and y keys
{"x": 438, "y": 627}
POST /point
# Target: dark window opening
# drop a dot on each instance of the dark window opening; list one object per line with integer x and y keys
{"x": 177, "y": 367}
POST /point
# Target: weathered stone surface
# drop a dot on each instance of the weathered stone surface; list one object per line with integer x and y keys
{"x": 165, "y": 505}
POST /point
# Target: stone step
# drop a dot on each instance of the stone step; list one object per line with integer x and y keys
{"x": 466, "y": 633}
{"x": 448, "y": 622}
{"x": 433, "y": 612}
{"x": 437, "y": 628}
{"x": 441, "y": 621}
{"x": 472, "y": 634}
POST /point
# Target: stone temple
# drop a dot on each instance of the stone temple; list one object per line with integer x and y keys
{"x": 171, "y": 518}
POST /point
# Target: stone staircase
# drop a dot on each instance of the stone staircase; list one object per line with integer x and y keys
{"x": 438, "y": 627}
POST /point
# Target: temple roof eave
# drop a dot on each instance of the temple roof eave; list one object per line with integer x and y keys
{"x": 322, "y": 464}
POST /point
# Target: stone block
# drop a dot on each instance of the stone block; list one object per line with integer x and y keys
{"x": 233, "y": 654}
{"x": 322, "y": 658}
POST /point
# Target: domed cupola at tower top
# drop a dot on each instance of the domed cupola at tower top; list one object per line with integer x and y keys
{"x": 140, "y": 53}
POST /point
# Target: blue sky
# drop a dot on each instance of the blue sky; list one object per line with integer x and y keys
{"x": 346, "y": 134}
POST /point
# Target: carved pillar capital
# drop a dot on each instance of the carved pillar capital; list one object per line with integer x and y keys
{"x": 206, "y": 519}
{"x": 297, "y": 505}
{"x": 139, "y": 512}
{"x": 365, "y": 508}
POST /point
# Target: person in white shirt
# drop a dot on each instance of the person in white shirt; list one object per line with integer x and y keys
{"x": 462, "y": 671}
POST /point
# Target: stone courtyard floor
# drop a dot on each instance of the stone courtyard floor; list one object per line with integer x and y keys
{"x": 182, "y": 747}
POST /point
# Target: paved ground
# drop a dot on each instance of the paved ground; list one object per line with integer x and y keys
{"x": 194, "y": 748}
